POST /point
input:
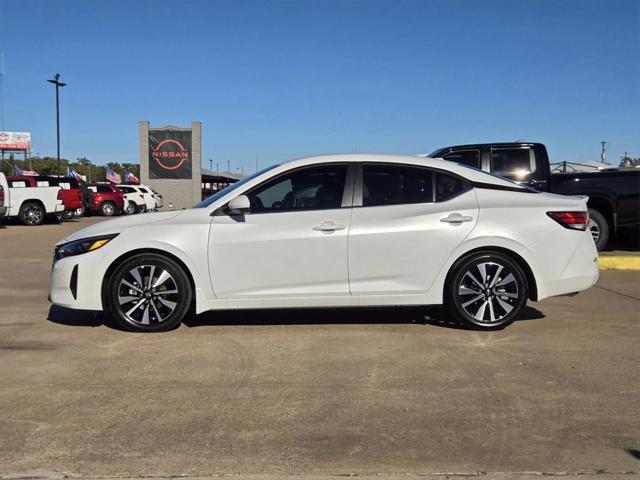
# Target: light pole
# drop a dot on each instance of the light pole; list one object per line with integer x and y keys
{"x": 56, "y": 81}
{"x": 210, "y": 164}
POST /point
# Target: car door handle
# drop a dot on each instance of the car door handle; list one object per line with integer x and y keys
{"x": 328, "y": 227}
{"x": 456, "y": 218}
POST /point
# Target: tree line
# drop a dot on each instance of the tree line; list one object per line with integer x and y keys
{"x": 84, "y": 166}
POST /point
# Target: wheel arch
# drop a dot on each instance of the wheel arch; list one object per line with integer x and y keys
{"x": 33, "y": 200}
{"x": 532, "y": 285}
{"x": 127, "y": 255}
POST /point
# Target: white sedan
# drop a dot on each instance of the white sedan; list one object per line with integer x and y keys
{"x": 336, "y": 231}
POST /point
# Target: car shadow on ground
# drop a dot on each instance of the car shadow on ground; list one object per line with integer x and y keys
{"x": 436, "y": 316}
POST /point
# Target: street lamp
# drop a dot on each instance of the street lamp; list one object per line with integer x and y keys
{"x": 56, "y": 81}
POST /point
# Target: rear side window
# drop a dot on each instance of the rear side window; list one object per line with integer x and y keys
{"x": 104, "y": 189}
{"x": 470, "y": 158}
{"x": 396, "y": 185}
{"x": 17, "y": 183}
{"x": 513, "y": 163}
{"x": 144, "y": 190}
{"x": 448, "y": 186}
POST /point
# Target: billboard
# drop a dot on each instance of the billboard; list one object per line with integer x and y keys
{"x": 15, "y": 141}
{"x": 170, "y": 154}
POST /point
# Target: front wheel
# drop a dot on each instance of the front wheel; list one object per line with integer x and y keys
{"x": 486, "y": 291}
{"x": 108, "y": 209}
{"x": 149, "y": 293}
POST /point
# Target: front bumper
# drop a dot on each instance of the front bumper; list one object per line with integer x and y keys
{"x": 76, "y": 282}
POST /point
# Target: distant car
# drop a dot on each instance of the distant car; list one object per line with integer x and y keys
{"x": 148, "y": 196}
{"x": 133, "y": 199}
{"x": 107, "y": 200}
{"x": 158, "y": 199}
{"x": 336, "y": 231}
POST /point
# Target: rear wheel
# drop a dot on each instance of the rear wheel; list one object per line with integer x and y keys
{"x": 131, "y": 208}
{"x": 486, "y": 291}
{"x": 67, "y": 215}
{"x": 79, "y": 212}
{"x": 599, "y": 228}
{"x": 108, "y": 209}
{"x": 31, "y": 214}
{"x": 149, "y": 293}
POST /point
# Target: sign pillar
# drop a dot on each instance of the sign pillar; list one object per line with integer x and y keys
{"x": 170, "y": 163}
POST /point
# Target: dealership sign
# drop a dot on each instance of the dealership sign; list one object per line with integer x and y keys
{"x": 170, "y": 154}
{"x": 15, "y": 141}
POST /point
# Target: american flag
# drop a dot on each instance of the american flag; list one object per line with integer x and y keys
{"x": 113, "y": 177}
{"x": 29, "y": 173}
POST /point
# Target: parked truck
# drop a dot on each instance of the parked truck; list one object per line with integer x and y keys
{"x": 32, "y": 205}
{"x": 614, "y": 193}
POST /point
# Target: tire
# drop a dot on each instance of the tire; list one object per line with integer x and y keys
{"x": 599, "y": 228}
{"x": 31, "y": 214}
{"x": 108, "y": 209}
{"x": 137, "y": 305}
{"x": 131, "y": 208}
{"x": 67, "y": 215}
{"x": 472, "y": 300}
{"x": 79, "y": 212}
{"x": 142, "y": 209}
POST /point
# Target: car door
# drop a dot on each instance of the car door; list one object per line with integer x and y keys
{"x": 407, "y": 221}
{"x": 292, "y": 243}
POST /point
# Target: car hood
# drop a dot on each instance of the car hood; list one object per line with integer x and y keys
{"x": 117, "y": 225}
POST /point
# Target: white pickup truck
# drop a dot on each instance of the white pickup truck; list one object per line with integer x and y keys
{"x": 4, "y": 196}
{"x": 31, "y": 204}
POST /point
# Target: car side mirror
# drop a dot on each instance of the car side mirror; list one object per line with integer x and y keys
{"x": 239, "y": 205}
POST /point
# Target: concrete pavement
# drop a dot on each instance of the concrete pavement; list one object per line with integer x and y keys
{"x": 320, "y": 393}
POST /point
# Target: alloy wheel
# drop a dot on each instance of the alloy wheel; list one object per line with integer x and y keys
{"x": 108, "y": 209}
{"x": 148, "y": 295}
{"x": 488, "y": 292}
{"x": 33, "y": 215}
{"x": 594, "y": 228}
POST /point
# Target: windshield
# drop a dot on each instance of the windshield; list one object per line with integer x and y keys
{"x": 230, "y": 188}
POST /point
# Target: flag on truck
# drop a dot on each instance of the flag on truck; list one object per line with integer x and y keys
{"x": 28, "y": 173}
{"x": 130, "y": 178}
{"x": 71, "y": 173}
{"x": 113, "y": 177}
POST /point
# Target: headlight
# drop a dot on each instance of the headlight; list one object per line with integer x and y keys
{"x": 83, "y": 245}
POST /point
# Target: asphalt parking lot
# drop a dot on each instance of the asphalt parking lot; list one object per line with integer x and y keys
{"x": 365, "y": 391}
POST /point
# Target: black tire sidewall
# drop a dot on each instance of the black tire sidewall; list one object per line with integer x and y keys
{"x": 174, "y": 269}
{"x": 458, "y": 270}
{"x": 597, "y": 217}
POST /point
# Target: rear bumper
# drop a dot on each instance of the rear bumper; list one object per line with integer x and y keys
{"x": 60, "y": 208}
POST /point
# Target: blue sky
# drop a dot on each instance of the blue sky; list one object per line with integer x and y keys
{"x": 273, "y": 80}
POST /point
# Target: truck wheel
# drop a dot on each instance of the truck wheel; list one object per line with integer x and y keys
{"x": 599, "y": 228}
{"x": 108, "y": 209}
{"x": 79, "y": 212}
{"x": 67, "y": 215}
{"x": 31, "y": 214}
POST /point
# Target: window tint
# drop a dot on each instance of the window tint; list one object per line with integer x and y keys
{"x": 104, "y": 189}
{"x": 448, "y": 186}
{"x": 395, "y": 185}
{"x": 144, "y": 190}
{"x": 471, "y": 158}
{"x": 310, "y": 188}
{"x": 514, "y": 163}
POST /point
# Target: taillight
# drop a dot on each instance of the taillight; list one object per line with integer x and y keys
{"x": 573, "y": 220}
{"x": 60, "y": 194}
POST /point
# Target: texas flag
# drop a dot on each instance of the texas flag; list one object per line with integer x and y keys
{"x": 71, "y": 173}
{"x": 130, "y": 177}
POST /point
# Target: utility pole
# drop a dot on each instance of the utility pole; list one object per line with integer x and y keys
{"x": 210, "y": 164}
{"x": 56, "y": 81}
{"x": 228, "y": 165}
{"x": 2, "y": 92}
{"x": 603, "y": 151}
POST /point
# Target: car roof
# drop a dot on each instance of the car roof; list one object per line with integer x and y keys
{"x": 470, "y": 173}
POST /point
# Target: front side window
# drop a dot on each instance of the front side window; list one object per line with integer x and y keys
{"x": 396, "y": 185}
{"x": 513, "y": 163}
{"x": 309, "y": 188}
{"x": 470, "y": 158}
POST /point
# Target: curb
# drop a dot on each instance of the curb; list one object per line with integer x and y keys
{"x": 629, "y": 262}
